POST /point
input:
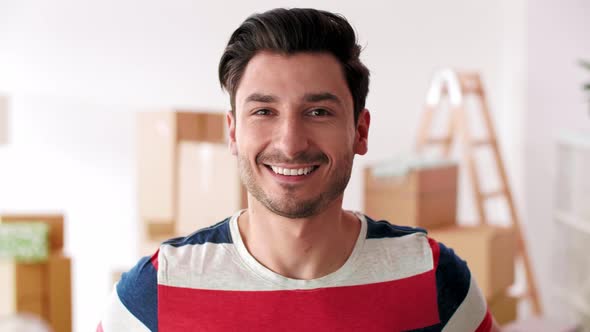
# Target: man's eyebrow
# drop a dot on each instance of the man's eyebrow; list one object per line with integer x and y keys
{"x": 261, "y": 98}
{"x": 308, "y": 97}
{"x": 323, "y": 96}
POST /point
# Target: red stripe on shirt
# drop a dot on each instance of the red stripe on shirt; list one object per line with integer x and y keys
{"x": 404, "y": 304}
{"x": 435, "y": 251}
{"x": 154, "y": 259}
{"x": 486, "y": 323}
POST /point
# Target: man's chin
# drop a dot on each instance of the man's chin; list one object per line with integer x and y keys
{"x": 294, "y": 214}
{"x": 304, "y": 209}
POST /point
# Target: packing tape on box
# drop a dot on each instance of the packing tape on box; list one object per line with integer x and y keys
{"x": 402, "y": 165}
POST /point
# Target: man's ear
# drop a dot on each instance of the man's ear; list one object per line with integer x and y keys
{"x": 361, "y": 139}
{"x": 231, "y": 129}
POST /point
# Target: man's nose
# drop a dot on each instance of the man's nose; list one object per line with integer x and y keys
{"x": 291, "y": 136}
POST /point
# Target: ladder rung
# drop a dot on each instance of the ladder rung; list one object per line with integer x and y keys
{"x": 443, "y": 140}
{"x": 483, "y": 142}
{"x": 493, "y": 194}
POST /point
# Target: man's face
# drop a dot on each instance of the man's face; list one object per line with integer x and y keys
{"x": 293, "y": 132}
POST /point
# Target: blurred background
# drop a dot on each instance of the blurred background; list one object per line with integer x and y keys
{"x": 75, "y": 75}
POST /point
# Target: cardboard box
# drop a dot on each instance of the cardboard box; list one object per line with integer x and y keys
{"x": 200, "y": 127}
{"x": 35, "y": 306}
{"x": 59, "y": 293}
{"x": 159, "y": 134}
{"x": 42, "y": 289}
{"x": 156, "y": 158}
{"x": 22, "y": 286}
{"x": 503, "y": 307}
{"x": 488, "y": 250}
{"x": 54, "y": 221}
{"x": 424, "y": 197}
{"x": 209, "y": 186}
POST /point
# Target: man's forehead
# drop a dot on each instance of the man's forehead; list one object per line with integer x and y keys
{"x": 270, "y": 77}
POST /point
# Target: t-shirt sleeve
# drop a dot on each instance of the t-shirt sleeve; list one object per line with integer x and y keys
{"x": 461, "y": 304}
{"x": 133, "y": 304}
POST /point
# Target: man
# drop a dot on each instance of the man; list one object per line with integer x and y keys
{"x": 295, "y": 260}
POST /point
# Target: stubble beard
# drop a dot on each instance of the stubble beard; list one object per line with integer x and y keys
{"x": 287, "y": 205}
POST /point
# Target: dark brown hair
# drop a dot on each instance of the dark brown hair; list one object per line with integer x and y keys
{"x": 291, "y": 31}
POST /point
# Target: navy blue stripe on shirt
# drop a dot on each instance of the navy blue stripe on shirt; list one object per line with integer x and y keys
{"x": 453, "y": 279}
{"x": 218, "y": 233}
{"x": 383, "y": 229}
{"x": 138, "y": 291}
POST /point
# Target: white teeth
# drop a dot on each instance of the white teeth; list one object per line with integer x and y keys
{"x": 292, "y": 171}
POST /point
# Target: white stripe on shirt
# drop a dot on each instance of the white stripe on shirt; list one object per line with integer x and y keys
{"x": 470, "y": 313}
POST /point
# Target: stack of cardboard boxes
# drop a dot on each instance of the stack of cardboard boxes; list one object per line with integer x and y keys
{"x": 41, "y": 288}
{"x": 425, "y": 196}
{"x": 187, "y": 178}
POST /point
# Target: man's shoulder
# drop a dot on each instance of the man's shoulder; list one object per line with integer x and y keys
{"x": 136, "y": 294}
{"x": 442, "y": 256}
{"x": 377, "y": 229}
{"x": 459, "y": 300}
{"x": 461, "y": 303}
{"x": 216, "y": 233}
{"x": 137, "y": 290}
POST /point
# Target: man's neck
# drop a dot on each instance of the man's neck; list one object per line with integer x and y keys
{"x": 306, "y": 248}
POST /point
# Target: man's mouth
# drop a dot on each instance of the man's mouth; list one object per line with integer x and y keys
{"x": 292, "y": 171}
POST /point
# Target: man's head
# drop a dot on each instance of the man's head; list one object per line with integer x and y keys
{"x": 298, "y": 92}
{"x": 290, "y": 31}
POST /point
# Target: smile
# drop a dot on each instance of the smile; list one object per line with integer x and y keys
{"x": 292, "y": 171}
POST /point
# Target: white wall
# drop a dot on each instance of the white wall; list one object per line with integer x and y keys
{"x": 77, "y": 158}
{"x": 68, "y": 62}
{"x": 557, "y": 37}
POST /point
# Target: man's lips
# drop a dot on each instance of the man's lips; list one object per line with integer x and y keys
{"x": 291, "y": 170}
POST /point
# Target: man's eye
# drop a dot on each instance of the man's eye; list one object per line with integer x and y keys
{"x": 319, "y": 112}
{"x": 262, "y": 111}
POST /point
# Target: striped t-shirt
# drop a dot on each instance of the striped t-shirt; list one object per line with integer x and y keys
{"x": 396, "y": 279}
